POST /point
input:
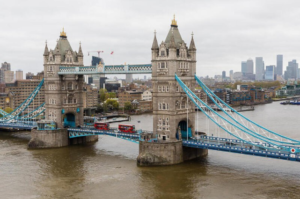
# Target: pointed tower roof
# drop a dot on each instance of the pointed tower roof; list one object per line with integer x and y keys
{"x": 46, "y": 51}
{"x": 155, "y": 44}
{"x": 172, "y": 43}
{"x": 192, "y": 44}
{"x": 80, "y": 50}
{"x": 63, "y": 44}
{"x": 175, "y": 32}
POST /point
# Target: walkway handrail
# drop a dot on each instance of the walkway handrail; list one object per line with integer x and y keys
{"x": 233, "y": 110}
{"x": 187, "y": 91}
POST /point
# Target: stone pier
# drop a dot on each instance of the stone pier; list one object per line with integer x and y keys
{"x": 166, "y": 153}
{"x": 55, "y": 138}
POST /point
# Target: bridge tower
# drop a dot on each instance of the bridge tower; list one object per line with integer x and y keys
{"x": 63, "y": 93}
{"x": 173, "y": 114}
{"x": 63, "y": 97}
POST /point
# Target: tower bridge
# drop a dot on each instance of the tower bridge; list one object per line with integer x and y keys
{"x": 174, "y": 138}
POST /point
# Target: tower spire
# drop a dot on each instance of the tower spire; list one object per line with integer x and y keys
{"x": 174, "y": 22}
{"x": 155, "y": 44}
{"x": 46, "y": 51}
{"x": 80, "y": 50}
{"x": 172, "y": 41}
{"x": 192, "y": 44}
{"x": 63, "y": 34}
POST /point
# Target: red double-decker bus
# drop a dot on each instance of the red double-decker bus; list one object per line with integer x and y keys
{"x": 127, "y": 128}
{"x": 101, "y": 126}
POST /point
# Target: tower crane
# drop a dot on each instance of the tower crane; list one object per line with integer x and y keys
{"x": 99, "y": 51}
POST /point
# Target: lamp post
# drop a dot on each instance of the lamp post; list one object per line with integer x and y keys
{"x": 187, "y": 116}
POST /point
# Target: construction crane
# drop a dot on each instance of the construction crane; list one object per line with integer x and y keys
{"x": 99, "y": 51}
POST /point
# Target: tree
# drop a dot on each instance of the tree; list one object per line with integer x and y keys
{"x": 105, "y": 107}
{"x": 103, "y": 95}
{"x": 112, "y": 95}
{"x": 127, "y": 106}
{"x": 115, "y": 105}
{"x": 8, "y": 110}
{"x": 112, "y": 103}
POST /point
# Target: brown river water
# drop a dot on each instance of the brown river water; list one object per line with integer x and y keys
{"x": 107, "y": 168}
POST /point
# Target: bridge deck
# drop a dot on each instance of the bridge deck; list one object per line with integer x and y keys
{"x": 238, "y": 147}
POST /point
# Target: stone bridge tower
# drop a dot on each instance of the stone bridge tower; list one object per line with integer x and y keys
{"x": 171, "y": 108}
{"x": 63, "y": 93}
{"x": 170, "y": 105}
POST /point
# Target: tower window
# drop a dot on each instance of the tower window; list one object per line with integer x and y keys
{"x": 162, "y": 53}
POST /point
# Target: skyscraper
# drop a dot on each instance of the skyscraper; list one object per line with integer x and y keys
{"x": 231, "y": 74}
{"x": 279, "y": 65}
{"x": 244, "y": 67}
{"x": 250, "y": 66}
{"x": 223, "y": 74}
{"x": 291, "y": 70}
{"x": 259, "y": 68}
{"x": 270, "y": 72}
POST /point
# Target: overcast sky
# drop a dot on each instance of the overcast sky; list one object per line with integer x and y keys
{"x": 225, "y": 32}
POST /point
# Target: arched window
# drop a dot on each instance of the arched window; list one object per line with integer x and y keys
{"x": 164, "y": 106}
{"x": 163, "y": 65}
{"x": 70, "y": 100}
{"x": 70, "y": 86}
{"x": 162, "y": 53}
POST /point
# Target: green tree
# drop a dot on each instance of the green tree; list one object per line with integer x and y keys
{"x": 127, "y": 106}
{"x": 112, "y": 103}
{"x": 103, "y": 95}
{"x": 115, "y": 105}
{"x": 8, "y": 110}
{"x": 105, "y": 108}
{"x": 112, "y": 95}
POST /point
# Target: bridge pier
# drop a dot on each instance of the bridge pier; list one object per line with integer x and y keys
{"x": 166, "y": 153}
{"x": 55, "y": 138}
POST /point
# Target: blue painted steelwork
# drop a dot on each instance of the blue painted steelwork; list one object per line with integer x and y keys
{"x": 208, "y": 92}
{"x": 107, "y": 69}
{"x": 83, "y": 132}
{"x": 191, "y": 95}
{"x": 240, "y": 149}
{"x": 23, "y": 106}
{"x": 19, "y": 125}
{"x": 33, "y": 114}
{"x": 2, "y": 112}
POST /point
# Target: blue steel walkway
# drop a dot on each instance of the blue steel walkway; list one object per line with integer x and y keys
{"x": 237, "y": 146}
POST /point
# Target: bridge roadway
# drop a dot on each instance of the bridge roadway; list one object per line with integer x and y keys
{"x": 88, "y": 131}
{"x": 28, "y": 125}
{"x": 237, "y": 146}
{"x": 202, "y": 142}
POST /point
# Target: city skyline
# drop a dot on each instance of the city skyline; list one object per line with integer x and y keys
{"x": 224, "y": 32}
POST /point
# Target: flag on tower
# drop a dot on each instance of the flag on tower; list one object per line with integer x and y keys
{"x": 112, "y": 52}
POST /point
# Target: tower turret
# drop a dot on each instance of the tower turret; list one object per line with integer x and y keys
{"x": 172, "y": 47}
{"x": 154, "y": 47}
{"x": 192, "y": 49}
{"x": 46, "y": 53}
{"x": 80, "y": 55}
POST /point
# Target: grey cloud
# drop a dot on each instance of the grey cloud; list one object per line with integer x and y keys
{"x": 226, "y": 32}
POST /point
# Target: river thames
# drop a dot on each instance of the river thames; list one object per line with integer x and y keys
{"x": 107, "y": 168}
